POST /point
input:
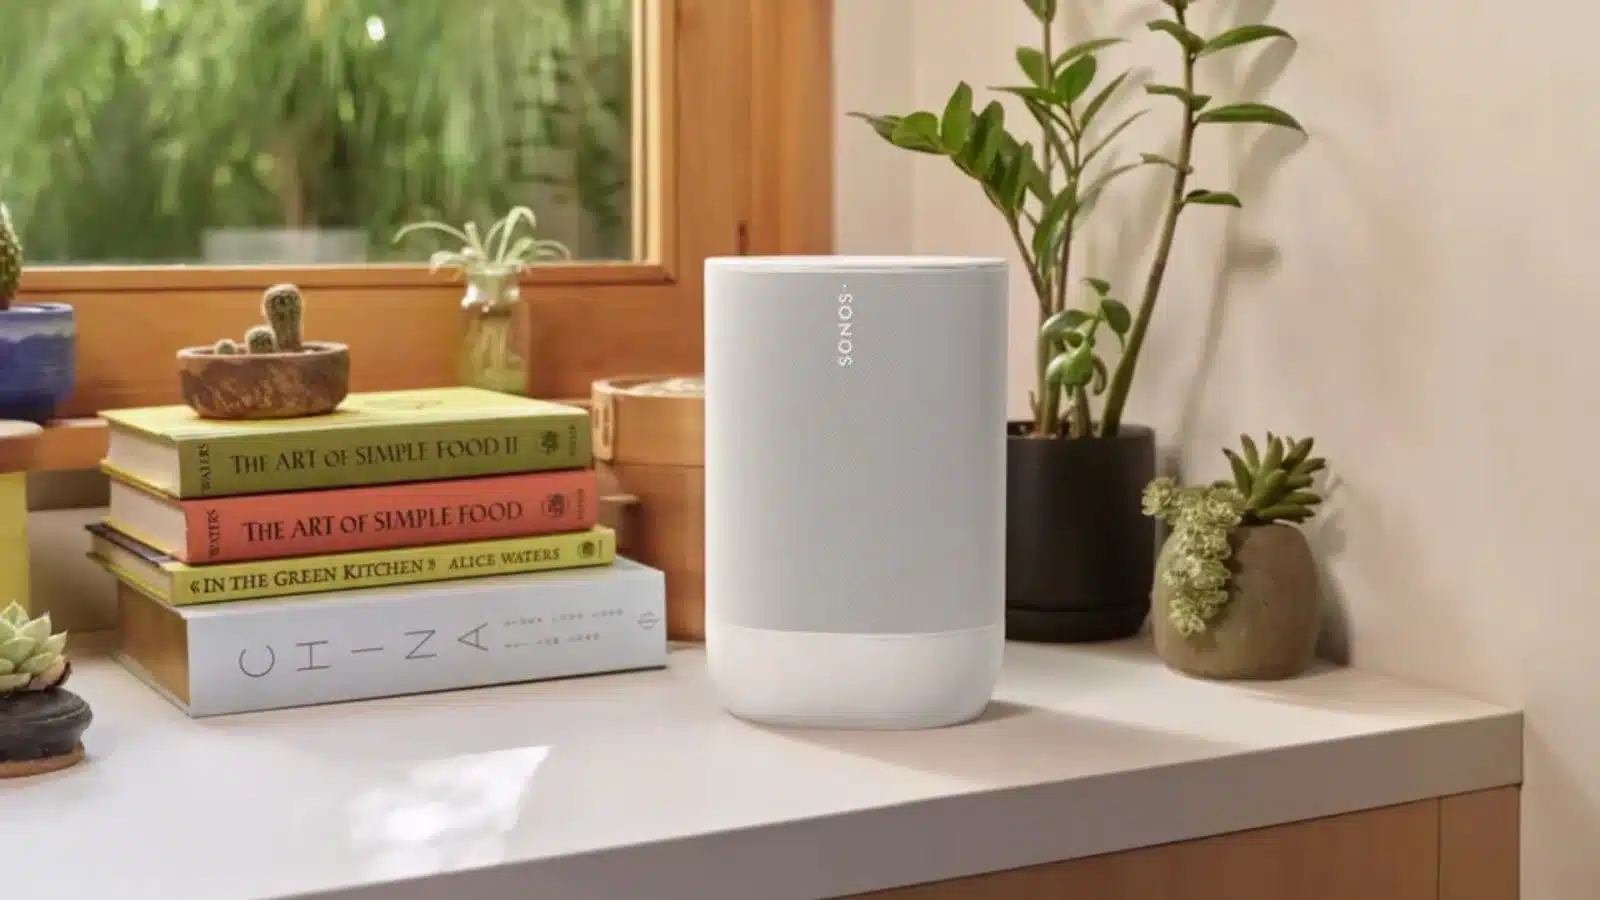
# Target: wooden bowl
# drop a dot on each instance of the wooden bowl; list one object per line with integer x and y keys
{"x": 311, "y": 382}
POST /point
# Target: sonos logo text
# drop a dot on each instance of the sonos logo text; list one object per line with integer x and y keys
{"x": 846, "y": 327}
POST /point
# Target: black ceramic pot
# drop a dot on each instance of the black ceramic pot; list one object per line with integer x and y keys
{"x": 37, "y": 725}
{"x": 1080, "y": 554}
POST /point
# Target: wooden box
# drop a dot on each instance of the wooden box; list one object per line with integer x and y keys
{"x": 649, "y": 439}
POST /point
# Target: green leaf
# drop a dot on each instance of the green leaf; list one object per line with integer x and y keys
{"x": 1098, "y": 285}
{"x": 956, "y": 126}
{"x": 1075, "y": 79}
{"x": 1075, "y": 338}
{"x": 1043, "y": 10}
{"x": 1194, "y": 101}
{"x": 1116, "y": 315}
{"x": 1257, "y": 113}
{"x": 1241, "y": 472}
{"x": 1110, "y": 136}
{"x": 1063, "y": 322}
{"x": 1034, "y": 65}
{"x": 1244, "y": 34}
{"x": 1077, "y": 50}
{"x": 1192, "y": 43}
{"x": 1099, "y": 101}
{"x": 1072, "y": 369}
{"x": 1251, "y": 456}
{"x": 1027, "y": 92}
{"x": 918, "y": 131}
{"x": 990, "y": 132}
{"x": 1156, "y": 159}
{"x": 1213, "y": 198}
{"x": 1101, "y": 377}
{"x": 1054, "y": 212}
{"x": 883, "y": 125}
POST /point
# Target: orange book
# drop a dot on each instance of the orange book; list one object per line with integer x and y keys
{"x": 304, "y": 523}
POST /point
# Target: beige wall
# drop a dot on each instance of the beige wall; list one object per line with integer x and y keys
{"x": 1415, "y": 287}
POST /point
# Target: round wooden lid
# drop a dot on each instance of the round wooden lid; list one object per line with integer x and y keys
{"x": 16, "y": 445}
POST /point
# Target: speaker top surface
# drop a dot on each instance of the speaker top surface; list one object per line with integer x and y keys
{"x": 821, "y": 264}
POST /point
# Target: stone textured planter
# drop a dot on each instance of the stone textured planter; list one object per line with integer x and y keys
{"x": 309, "y": 382}
{"x": 38, "y": 355}
{"x": 1269, "y": 628}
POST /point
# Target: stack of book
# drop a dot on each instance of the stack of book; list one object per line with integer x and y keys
{"x": 412, "y": 541}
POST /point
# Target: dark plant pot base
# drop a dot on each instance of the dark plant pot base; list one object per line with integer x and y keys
{"x": 41, "y": 731}
{"x": 37, "y": 410}
{"x": 1080, "y": 553}
{"x": 27, "y": 768}
{"x": 1057, "y": 626}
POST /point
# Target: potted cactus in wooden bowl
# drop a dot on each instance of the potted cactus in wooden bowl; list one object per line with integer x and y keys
{"x": 1236, "y": 590}
{"x": 38, "y": 341}
{"x": 41, "y": 723}
{"x": 272, "y": 374}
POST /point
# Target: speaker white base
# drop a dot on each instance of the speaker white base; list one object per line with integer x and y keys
{"x": 854, "y": 681}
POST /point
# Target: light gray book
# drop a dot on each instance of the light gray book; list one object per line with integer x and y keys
{"x": 222, "y": 658}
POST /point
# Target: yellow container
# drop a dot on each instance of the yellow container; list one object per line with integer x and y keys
{"x": 14, "y": 538}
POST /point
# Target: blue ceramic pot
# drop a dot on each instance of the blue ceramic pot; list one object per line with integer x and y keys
{"x": 38, "y": 353}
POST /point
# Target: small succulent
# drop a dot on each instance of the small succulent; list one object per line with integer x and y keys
{"x": 260, "y": 339}
{"x": 1276, "y": 484}
{"x": 494, "y": 252}
{"x": 31, "y": 657}
{"x": 282, "y": 307}
{"x": 1269, "y": 487}
{"x": 227, "y": 347}
{"x": 10, "y": 259}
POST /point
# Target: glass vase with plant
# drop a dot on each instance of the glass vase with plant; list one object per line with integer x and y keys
{"x": 494, "y": 321}
{"x": 1081, "y": 553}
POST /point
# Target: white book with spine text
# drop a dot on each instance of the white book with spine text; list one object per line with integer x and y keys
{"x": 245, "y": 656}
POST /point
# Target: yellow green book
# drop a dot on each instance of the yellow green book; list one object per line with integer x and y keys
{"x": 178, "y": 584}
{"x": 384, "y": 437}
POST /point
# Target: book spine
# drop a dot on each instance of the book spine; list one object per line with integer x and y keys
{"x": 406, "y": 565}
{"x": 299, "y": 654}
{"x": 272, "y": 461}
{"x": 305, "y": 523}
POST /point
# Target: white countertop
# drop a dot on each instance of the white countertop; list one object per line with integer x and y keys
{"x": 637, "y": 786}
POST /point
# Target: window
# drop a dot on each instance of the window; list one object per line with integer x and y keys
{"x": 165, "y": 160}
{"x": 295, "y": 133}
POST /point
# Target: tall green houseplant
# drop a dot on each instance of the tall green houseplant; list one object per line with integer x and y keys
{"x": 1080, "y": 550}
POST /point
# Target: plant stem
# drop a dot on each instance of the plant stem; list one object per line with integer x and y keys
{"x": 1082, "y": 421}
{"x": 1122, "y": 376}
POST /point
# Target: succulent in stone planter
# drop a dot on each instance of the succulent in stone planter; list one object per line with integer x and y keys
{"x": 274, "y": 373}
{"x": 41, "y": 724}
{"x": 1236, "y": 589}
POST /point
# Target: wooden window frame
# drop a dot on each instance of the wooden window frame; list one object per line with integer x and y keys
{"x": 736, "y": 106}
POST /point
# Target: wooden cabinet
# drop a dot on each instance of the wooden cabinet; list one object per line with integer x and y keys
{"x": 1463, "y": 847}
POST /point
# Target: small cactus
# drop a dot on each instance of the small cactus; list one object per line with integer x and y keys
{"x": 1276, "y": 484}
{"x": 260, "y": 339}
{"x": 226, "y": 347}
{"x": 10, "y": 259}
{"x": 282, "y": 307}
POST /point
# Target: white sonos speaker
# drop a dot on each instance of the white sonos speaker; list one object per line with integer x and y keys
{"x": 855, "y": 428}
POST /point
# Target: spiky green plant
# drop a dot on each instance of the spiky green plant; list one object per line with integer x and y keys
{"x": 283, "y": 308}
{"x": 1276, "y": 484}
{"x": 10, "y": 259}
{"x": 492, "y": 252}
{"x": 226, "y": 347}
{"x": 259, "y": 339}
{"x": 32, "y": 658}
{"x": 1045, "y": 198}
